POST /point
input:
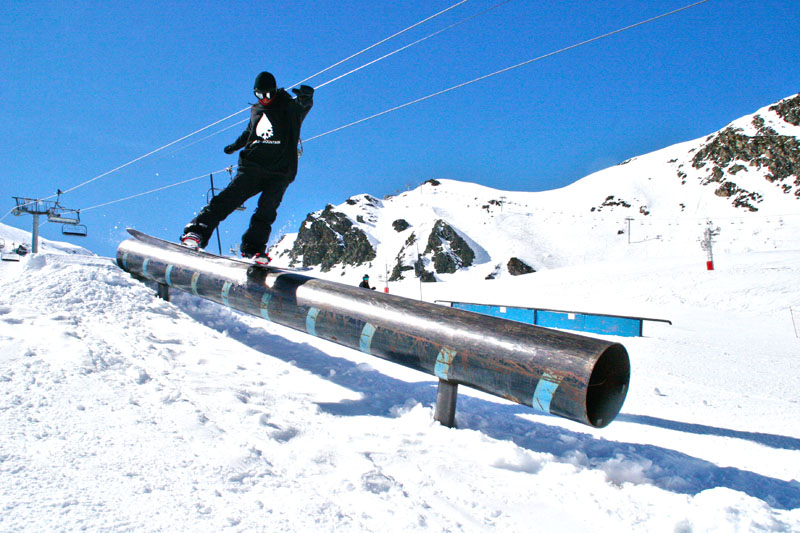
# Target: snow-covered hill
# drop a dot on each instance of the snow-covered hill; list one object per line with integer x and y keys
{"x": 120, "y": 411}
{"x": 11, "y": 238}
{"x": 744, "y": 179}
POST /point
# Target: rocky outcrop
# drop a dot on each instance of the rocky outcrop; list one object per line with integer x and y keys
{"x": 518, "y": 267}
{"x": 731, "y": 151}
{"x": 400, "y": 266}
{"x": 448, "y": 250}
{"x": 788, "y": 110}
{"x": 445, "y": 251}
{"x": 400, "y": 225}
{"x": 331, "y": 238}
{"x": 611, "y": 202}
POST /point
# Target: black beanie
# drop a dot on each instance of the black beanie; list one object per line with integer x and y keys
{"x": 265, "y": 82}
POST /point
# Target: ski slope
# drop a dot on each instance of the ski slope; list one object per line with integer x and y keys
{"x": 124, "y": 412}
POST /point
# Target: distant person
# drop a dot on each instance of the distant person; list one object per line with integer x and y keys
{"x": 365, "y": 283}
{"x": 267, "y": 165}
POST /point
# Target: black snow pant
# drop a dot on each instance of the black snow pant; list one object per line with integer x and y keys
{"x": 250, "y": 179}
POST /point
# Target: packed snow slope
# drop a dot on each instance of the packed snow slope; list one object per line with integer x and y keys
{"x": 120, "y": 411}
{"x": 11, "y": 238}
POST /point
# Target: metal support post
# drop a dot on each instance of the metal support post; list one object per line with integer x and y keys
{"x": 219, "y": 242}
{"x": 35, "y": 234}
{"x": 163, "y": 291}
{"x": 446, "y": 398}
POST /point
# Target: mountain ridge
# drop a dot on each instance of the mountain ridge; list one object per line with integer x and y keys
{"x": 750, "y": 168}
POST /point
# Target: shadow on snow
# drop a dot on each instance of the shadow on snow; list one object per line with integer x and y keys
{"x": 665, "y": 468}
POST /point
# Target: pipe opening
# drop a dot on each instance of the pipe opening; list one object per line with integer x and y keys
{"x": 608, "y": 386}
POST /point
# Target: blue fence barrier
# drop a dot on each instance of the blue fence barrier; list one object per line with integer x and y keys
{"x": 623, "y": 326}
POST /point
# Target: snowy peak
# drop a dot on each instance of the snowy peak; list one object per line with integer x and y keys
{"x": 762, "y": 146}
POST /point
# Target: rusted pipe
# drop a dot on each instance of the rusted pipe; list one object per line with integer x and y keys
{"x": 568, "y": 375}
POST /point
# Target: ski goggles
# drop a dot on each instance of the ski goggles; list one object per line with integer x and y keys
{"x": 261, "y": 95}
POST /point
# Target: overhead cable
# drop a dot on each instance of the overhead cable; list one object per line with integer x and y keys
{"x": 248, "y": 107}
{"x": 599, "y": 37}
{"x": 357, "y": 68}
{"x": 414, "y": 43}
{"x": 154, "y": 190}
{"x": 148, "y": 154}
{"x": 475, "y": 80}
{"x": 383, "y": 41}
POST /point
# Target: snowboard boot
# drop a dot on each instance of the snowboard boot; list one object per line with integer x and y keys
{"x": 257, "y": 258}
{"x": 191, "y": 240}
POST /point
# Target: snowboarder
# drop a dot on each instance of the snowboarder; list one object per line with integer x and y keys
{"x": 365, "y": 283}
{"x": 267, "y": 165}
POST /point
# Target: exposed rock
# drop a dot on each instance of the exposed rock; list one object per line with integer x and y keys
{"x": 330, "y": 239}
{"x": 450, "y": 251}
{"x": 400, "y": 266}
{"x": 517, "y": 267}
{"x": 400, "y": 225}
{"x": 788, "y": 110}
{"x": 610, "y": 201}
{"x": 427, "y": 276}
{"x": 730, "y": 150}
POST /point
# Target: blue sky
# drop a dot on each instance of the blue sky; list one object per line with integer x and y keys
{"x": 90, "y": 86}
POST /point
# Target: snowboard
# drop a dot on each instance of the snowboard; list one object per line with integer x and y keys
{"x": 161, "y": 243}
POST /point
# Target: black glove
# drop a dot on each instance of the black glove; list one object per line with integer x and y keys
{"x": 304, "y": 91}
{"x": 230, "y": 149}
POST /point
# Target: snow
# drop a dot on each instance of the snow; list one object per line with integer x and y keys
{"x": 124, "y": 412}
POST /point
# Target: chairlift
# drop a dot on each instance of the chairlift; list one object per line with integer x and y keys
{"x": 64, "y": 216}
{"x": 74, "y": 230}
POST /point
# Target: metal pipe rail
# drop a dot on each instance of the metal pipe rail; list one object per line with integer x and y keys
{"x": 564, "y": 374}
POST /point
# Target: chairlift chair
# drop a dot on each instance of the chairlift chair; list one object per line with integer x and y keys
{"x": 63, "y": 215}
{"x": 74, "y": 230}
{"x": 63, "y": 218}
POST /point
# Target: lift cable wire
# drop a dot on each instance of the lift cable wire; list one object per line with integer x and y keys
{"x": 415, "y": 42}
{"x": 355, "y": 69}
{"x": 571, "y": 47}
{"x": 151, "y": 153}
{"x": 507, "y": 69}
{"x": 201, "y": 139}
{"x": 383, "y": 41}
{"x": 248, "y": 107}
{"x": 156, "y": 190}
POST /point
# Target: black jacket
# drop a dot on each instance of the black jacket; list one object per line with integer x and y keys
{"x": 270, "y": 139}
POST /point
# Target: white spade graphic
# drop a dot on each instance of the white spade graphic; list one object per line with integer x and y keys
{"x": 264, "y": 127}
